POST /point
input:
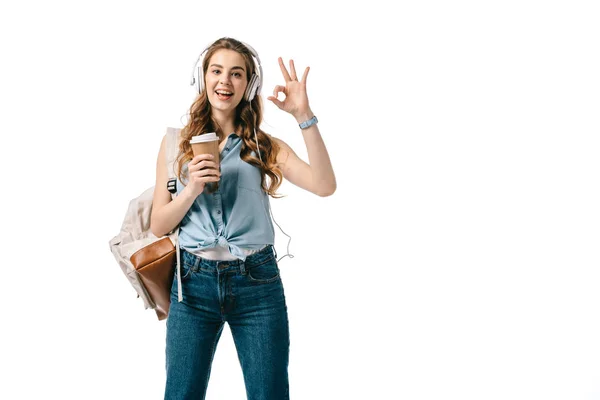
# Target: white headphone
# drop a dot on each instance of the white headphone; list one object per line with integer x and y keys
{"x": 254, "y": 84}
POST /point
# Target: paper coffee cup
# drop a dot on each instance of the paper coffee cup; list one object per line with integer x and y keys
{"x": 207, "y": 143}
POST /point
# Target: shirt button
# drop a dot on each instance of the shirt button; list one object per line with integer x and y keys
{"x": 219, "y": 212}
{"x": 226, "y": 148}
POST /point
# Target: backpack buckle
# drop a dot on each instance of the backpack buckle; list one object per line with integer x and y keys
{"x": 172, "y": 185}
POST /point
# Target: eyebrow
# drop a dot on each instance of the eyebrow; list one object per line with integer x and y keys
{"x": 232, "y": 68}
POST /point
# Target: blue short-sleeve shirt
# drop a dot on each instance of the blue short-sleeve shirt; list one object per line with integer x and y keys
{"x": 236, "y": 216}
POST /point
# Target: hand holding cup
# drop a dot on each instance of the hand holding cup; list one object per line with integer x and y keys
{"x": 202, "y": 170}
{"x": 204, "y": 167}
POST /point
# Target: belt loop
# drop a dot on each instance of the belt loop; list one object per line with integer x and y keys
{"x": 243, "y": 267}
{"x": 197, "y": 263}
{"x": 274, "y": 251}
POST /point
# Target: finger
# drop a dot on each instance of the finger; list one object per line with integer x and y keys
{"x": 284, "y": 71}
{"x": 305, "y": 74}
{"x": 277, "y": 102}
{"x": 201, "y": 166}
{"x": 278, "y": 89}
{"x": 206, "y": 179}
{"x": 206, "y": 164}
{"x": 293, "y": 71}
{"x": 205, "y": 172}
{"x": 201, "y": 157}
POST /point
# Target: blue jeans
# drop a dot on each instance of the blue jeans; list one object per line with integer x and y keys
{"x": 247, "y": 295}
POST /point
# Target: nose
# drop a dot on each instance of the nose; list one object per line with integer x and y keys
{"x": 224, "y": 79}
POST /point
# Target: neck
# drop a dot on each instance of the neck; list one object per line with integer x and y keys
{"x": 225, "y": 121}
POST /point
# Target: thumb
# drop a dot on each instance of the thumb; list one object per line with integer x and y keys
{"x": 277, "y": 102}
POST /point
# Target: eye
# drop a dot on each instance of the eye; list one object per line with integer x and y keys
{"x": 216, "y": 71}
{"x": 237, "y": 74}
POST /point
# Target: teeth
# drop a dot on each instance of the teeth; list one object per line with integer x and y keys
{"x": 224, "y": 92}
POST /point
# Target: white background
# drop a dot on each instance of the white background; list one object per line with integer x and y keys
{"x": 458, "y": 258}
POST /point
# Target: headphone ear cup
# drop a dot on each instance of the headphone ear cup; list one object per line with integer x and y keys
{"x": 200, "y": 80}
{"x": 251, "y": 88}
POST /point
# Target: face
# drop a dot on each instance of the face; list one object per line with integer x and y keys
{"x": 226, "y": 80}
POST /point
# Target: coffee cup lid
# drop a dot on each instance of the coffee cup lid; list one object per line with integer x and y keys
{"x": 205, "y": 137}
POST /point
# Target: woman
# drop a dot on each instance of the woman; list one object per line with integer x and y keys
{"x": 229, "y": 271}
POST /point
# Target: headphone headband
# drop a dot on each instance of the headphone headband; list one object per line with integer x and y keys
{"x": 254, "y": 84}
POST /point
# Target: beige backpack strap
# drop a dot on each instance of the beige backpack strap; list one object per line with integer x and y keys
{"x": 173, "y": 136}
{"x": 172, "y": 151}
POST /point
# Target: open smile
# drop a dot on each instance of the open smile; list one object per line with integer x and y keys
{"x": 223, "y": 94}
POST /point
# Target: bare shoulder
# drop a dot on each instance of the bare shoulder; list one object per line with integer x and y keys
{"x": 294, "y": 169}
{"x": 285, "y": 151}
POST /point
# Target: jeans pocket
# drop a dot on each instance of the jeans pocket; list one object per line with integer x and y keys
{"x": 266, "y": 272}
{"x": 186, "y": 271}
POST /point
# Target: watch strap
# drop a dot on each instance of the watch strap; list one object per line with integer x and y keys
{"x": 308, "y": 123}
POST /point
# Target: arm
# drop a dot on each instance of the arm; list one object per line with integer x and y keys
{"x": 317, "y": 176}
{"x": 167, "y": 214}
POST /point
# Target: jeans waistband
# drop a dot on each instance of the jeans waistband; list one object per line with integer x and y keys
{"x": 193, "y": 261}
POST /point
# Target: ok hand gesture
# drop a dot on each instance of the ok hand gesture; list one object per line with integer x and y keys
{"x": 296, "y": 99}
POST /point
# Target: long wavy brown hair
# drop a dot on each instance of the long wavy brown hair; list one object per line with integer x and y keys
{"x": 248, "y": 117}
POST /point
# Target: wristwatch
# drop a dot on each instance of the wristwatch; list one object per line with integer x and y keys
{"x": 308, "y": 123}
